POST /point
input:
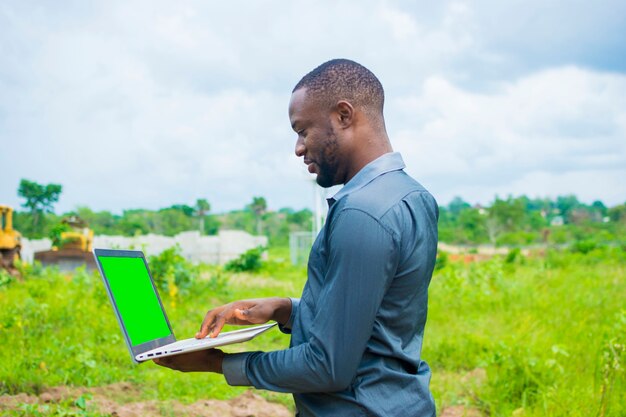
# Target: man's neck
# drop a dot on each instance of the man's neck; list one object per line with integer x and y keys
{"x": 370, "y": 147}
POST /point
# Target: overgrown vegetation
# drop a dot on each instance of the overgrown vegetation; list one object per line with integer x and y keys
{"x": 59, "y": 330}
{"x": 547, "y": 331}
{"x": 171, "y": 271}
{"x": 543, "y": 335}
{"x": 249, "y": 261}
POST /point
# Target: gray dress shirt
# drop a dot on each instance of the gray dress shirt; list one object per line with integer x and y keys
{"x": 357, "y": 330}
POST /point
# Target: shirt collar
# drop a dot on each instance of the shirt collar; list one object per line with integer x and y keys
{"x": 386, "y": 163}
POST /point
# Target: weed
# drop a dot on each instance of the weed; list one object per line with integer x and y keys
{"x": 441, "y": 261}
{"x": 249, "y": 261}
{"x": 171, "y": 271}
{"x": 5, "y": 278}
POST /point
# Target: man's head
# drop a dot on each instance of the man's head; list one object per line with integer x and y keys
{"x": 337, "y": 111}
{"x": 342, "y": 79}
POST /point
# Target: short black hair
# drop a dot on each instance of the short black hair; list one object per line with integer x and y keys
{"x": 343, "y": 79}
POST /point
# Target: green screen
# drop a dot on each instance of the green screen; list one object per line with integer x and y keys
{"x": 135, "y": 297}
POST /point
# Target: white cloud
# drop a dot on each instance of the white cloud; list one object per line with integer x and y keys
{"x": 538, "y": 135}
{"x": 401, "y": 24}
{"x": 151, "y": 103}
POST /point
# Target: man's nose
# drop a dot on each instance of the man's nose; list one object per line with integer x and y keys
{"x": 300, "y": 149}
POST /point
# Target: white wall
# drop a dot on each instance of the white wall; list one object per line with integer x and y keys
{"x": 227, "y": 245}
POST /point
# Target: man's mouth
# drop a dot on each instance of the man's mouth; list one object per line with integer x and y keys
{"x": 310, "y": 165}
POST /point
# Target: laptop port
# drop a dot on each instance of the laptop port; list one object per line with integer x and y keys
{"x": 157, "y": 354}
{"x": 150, "y": 354}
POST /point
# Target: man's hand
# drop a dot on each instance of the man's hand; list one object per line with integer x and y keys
{"x": 257, "y": 311}
{"x": 209, "y": 360}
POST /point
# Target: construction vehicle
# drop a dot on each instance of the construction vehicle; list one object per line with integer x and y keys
{"x": 73, "y": 248}
{"x": 10, "y": 241}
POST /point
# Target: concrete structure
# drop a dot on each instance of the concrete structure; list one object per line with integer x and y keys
{"x": 300, "y": 244}
{"x": 227, "y": 245}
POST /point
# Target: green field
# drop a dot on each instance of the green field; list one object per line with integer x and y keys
{"x": 524, "y": 336}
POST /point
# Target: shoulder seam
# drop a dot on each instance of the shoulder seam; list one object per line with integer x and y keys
{"x": 384, "y": 227}
{"x": 417, "y": 191}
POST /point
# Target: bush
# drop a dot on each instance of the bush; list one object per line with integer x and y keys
{"x": 55, "y": 234}
{"x": 519, "y": 237}
{"x": 584, "y": 246}
{"x": 513, "y": 255}
{"x": 30, "y": 270}
{"x": 171, "y": 271}
{"x": 441, "y": 261}
{"x": 5, "y": 278}
{"x": 249, "y": 261}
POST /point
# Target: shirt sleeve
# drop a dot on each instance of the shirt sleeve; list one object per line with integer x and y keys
{"x": 286, "y": 328}
{"x": 362, "y": 259}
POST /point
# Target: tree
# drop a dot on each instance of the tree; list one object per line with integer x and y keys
{"x": 102, "y": 222}
{"x": 509, "y": 214}
{"x": 183, "y": 208}
{"x": 39, "y": 198}
{"x": 258, "y": 207}
{"x": 598, "y": 210}
{"x": 202, "y": 209}
{"x": 506, "y": 216}
{"x": 170, "y": 221}
{"x": 134, "y": 222}
{"x": 566, "y": 204}
{"x": 457, "y": 205}
{"x": 472, "y": 225}
{"x": 494, "y": 229}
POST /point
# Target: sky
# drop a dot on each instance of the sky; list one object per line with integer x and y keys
{"x": 146, "y": 104}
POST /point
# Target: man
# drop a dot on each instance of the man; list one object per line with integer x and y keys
{"x": 356, "y": 332}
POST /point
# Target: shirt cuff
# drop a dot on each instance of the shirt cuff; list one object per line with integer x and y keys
{"x": 234, "y": 369}
{"x": 286, "y": 328}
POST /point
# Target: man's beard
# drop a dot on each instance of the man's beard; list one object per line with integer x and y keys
{"x": 327, "y": 163}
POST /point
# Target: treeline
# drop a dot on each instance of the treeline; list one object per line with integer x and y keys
{"x": 506, "y": 222}
{"x": 525, "y": 221}
{"x": 39, "y": 219}
{"x": 277, "y": 225}
{"x": 512, "y": 221}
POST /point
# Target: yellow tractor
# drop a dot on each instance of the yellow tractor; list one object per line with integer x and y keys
{"x": 10, "y": 241}
{"x": 73, "y": 248}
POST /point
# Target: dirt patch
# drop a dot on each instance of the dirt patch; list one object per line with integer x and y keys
{"x": 465, "y": 385}
{"x": 460, "y": 411}
{"x": 476, "y": 376}
{"x": 100, "y": 399}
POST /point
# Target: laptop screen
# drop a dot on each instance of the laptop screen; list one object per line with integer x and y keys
{"x": 135, "y": 298}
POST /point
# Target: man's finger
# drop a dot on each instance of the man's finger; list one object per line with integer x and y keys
{"x": 220, "y": 320}
{"x": 207, "y": 324}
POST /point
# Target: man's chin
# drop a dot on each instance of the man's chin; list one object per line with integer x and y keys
{"x": 323, "y": 182}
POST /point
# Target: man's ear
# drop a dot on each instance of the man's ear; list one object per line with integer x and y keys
{"x": 345, "y": 111}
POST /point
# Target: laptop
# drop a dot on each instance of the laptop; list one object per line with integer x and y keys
{"x": 140, "y": 313}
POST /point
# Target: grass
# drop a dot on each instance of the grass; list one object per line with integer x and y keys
{"x": 539, "y": 336}
{"x": 549, "y": 334}
{"x": 60, "y": 330}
